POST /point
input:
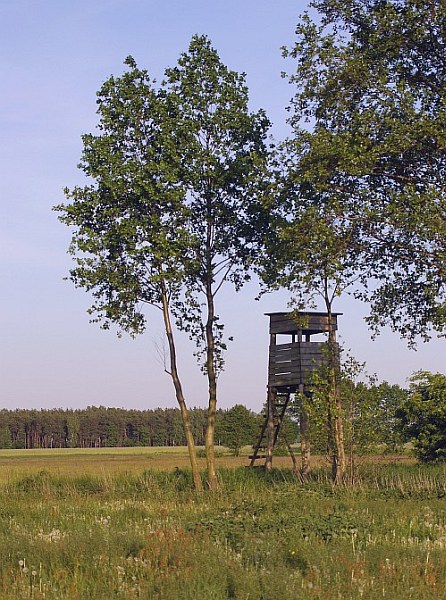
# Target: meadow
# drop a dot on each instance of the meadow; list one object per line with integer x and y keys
{"x": 126, "y": 523}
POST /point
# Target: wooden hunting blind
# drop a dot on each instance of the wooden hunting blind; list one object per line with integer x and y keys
{"x": 293, "y": 358}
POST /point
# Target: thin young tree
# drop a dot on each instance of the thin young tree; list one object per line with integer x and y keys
{"x": 223, "y": 157}
{"x": 314, "y": 253}
{"x": 129, "y": 241}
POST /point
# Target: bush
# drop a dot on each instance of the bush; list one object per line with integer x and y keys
{"x": 423, "y": 416}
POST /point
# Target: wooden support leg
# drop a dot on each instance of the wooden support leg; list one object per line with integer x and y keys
{"x": 291, "y": 453}
{"x": 270, "y": 429}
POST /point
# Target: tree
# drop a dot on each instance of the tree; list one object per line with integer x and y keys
{"x": 370, "y": 115}
{"x": 390, "y": 399}
{"x": 314, "y": 250}
{"x": 360, "y": 203}
{"x": 237, "y": 427}
{"x": 129, "y": 241}
{"x": 361, "y": 416}
{"x": 222, "y": 159}
{"x": 175, "y": 209}
{"x": 423, "y": 416}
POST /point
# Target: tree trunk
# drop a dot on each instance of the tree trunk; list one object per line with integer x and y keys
{"x": 304, "y": 437}
{"x": 212, "y": 384}
{"x": 335, "y": 408}
{"x": 185, "y": 416}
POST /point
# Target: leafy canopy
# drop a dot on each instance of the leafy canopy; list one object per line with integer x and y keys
{"x": 369, "y": 119}
{"x": 130, "y": 237}
{"x": 423, "y": 416}
{"x": 174, "y": 206}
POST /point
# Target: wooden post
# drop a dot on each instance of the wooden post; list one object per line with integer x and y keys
{"x": 270, "y": 429}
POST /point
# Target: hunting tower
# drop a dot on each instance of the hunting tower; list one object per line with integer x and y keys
{"x": 293, "y": 356}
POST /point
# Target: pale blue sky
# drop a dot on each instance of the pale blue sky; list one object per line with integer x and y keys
{"x": 54, "y": 56}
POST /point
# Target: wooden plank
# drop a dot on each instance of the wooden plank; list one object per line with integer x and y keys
{"x": 302, "y": 313}
{"x": 292, "y": 386}
{"x": 283, "y": 346}
{"x": 287, "y": 324}
{"x": 315, "y": 313}
{"x": 293, "y": 376}
{"x": 298, "y": 346}
{"x": 296, "y": 364}
{"x": 294, "y": 372}
{"x": 282, "y": 358}
{"x": 277, "y": 315}
{"x": 314, "y": 359}
{"x": 278, "y": 383}
{"x": 312, "y": 345}
{"x": 296, "y": 351}
{"x": 286, "y": 327}
{"x": 294, "y": 367}
{"x": 306, "y": 322}
{"x": 306, "y": 358}
{"x": 296, "y": 356}
{"x": 281, "y": 317}
{"x": 293, "y": 364}
{"x": 310, "y": 352}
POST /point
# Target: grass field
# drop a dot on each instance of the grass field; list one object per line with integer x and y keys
{"x": 112, "y": 523}
{"x": 110, "y": 461}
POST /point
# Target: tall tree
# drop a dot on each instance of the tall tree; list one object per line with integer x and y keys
{"x": 223, "y": 157}
{"x": 371, "y": 85}
{"x": 175, "y": 210}
{"x": 129, "y": 240}
{"x": 361, "y": 194}
{"x": 314, "y": 251}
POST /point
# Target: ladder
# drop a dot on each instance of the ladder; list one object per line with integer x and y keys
{"x": 279, "y": 406}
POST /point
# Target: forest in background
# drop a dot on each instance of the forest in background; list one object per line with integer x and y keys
{"x": 102, "y": 427}
{"x": 373, "y": 421}
{"x": 379, "y": 418}
{"x": 96, "y": 427}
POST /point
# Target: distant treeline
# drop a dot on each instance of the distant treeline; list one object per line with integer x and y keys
{"x": 374, "y": 416}
{"x": 97, "y": 427}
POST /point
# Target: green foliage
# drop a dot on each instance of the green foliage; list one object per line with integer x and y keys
{"x": 237, "y": 427}
{"x": 369, "y": 120}
{"x": 174, "y": 210}
{"x": 128, "y": 238}
{"x": 370, "y": 412}
{"x": 222, "y": 166}
{"x": 424, "y": 416}
{"x": 390, "y": 400}
{"x": 280, "y": 449}
{"x": 176, "y": 170}
{"x": 5, "y": 438}
{"x": 362, "y": 415}
{"x": 97, "y": 427}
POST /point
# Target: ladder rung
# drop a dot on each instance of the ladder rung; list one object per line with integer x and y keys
{"x": 257, "y": 456}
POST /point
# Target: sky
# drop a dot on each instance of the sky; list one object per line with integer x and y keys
{"x": 54, "y": 57}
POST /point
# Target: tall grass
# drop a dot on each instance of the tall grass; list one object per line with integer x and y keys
{"x": 263, "y": 536}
